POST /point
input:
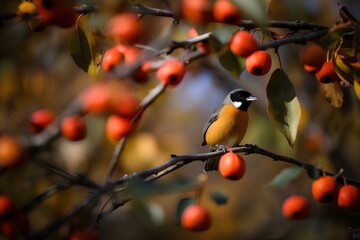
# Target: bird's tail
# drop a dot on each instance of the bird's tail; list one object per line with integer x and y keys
{"x": 212, "y": 164}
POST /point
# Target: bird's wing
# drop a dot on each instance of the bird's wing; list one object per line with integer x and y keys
{"x": 213, "y": 117}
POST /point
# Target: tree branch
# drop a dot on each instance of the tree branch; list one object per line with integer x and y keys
{"x": 181, "y": 160}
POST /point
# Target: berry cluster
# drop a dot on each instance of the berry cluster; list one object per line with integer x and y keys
{"x": 313, "y": 58}
{"x": 324, "y": 190}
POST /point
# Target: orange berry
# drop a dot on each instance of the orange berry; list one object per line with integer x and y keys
{"x": 73, "y": 128}
{"x": 258, "y": 63}
{"x": 243, "y": 44}
{"x": 124, "y": 27}
{"x": 11, "y": 152}
{"x": 325, "y": 189}
{"x": 118, "y": 127}
{"x": 171, "y": 72}
{"x": 203, "y": 46}
{"x": 40, "y": 119}
{"x": 7, "y": 207}
{"x": 111, "y": 58}
{"x": 85, "y": 234}
{"x": 199, "y": 11}
{"x": 312, "y": 57}
{"x": 295, "y": 207}
{"x": 96, "y": 99}
{"x": 27, "y": 10}
{"x": 131, "y": 54}
{"x": 124, "y": 105}
{"x": 196, "y": 218}
{"x": 349, "y": 197}
{"x": 225, "y": 11}
{"x": 232, "y": 166}
{"x": 147, "y": 66}
{"x": 327, "y": 73}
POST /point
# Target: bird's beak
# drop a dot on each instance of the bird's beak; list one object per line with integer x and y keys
{"x": 251, "y": 98}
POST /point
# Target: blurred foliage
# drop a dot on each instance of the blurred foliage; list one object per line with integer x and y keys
{"x": 37, "y": 71}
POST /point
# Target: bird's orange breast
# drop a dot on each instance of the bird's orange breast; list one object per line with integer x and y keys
{"x": 229, "y": 128}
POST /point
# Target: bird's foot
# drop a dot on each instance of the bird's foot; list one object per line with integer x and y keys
{"x": 222, "y": 148}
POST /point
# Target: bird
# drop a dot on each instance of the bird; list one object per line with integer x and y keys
{"x": 227, "y": 125}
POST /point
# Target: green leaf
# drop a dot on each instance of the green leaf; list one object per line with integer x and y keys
{"x": 333, "y": 93}
{"x": 219, "y": 197}
{"x": 283, "y": 105}
{"x": 183, "y": 203}
{"x": 220, "y": 37}
{"x": 231, "y": 62}
{"x": 85, "y": 48}
{"x": 285, "y": 177}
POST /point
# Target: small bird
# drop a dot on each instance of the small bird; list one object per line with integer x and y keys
{"x": 227, "y": 124}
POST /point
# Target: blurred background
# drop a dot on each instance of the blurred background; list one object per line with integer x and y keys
{"x": 37, "y": 71}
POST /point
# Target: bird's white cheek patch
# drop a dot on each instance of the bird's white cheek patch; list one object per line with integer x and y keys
{"x": 237, "y": 104}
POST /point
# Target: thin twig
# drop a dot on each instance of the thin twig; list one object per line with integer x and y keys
{"x": 35, "y": 201}
{"x": 141, "y": 9}
{"x": 51, "y": 228}
{"x": 114, "y": 159}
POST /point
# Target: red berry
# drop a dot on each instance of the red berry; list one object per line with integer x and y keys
{"x": 295, "y": 207}
{"x": 225, "y": 11}
{"x": 203, "y": 46}
{"x": 40, "y": 119}
{"x": 85, "y": 234}
{"x": 232, "y": 166}
{"x": 312, "y": 57}
{"x": 96, "y": 99}
{"x": 131, "y": 54}
{"x": 118, "y": 127}
{"x": 196, "y": 218}
{"x": 327, "y": 73}
{"x": 125, "y": 27}
{"x": 349, "y": 197}
{"x": 258, "y": 63}
{"x": 17, "y": 227}
{"x": 11, "y": 152}
{"x": 243, "y": 44}
{"x": 7, "y": 207}
{"x": 171, "y": 72}
{"x": 73, "y": 128}
{"x": 56, "y": 12}
{"x": 199, "y": 11}
{"x": 325, "y": 189}
{"x": 124, "y": 105}
{"x": 112, "y": 57}
{"x": 9, "y": 229}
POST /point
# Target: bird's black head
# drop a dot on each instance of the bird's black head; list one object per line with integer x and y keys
{"x": 241, "y": 99}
